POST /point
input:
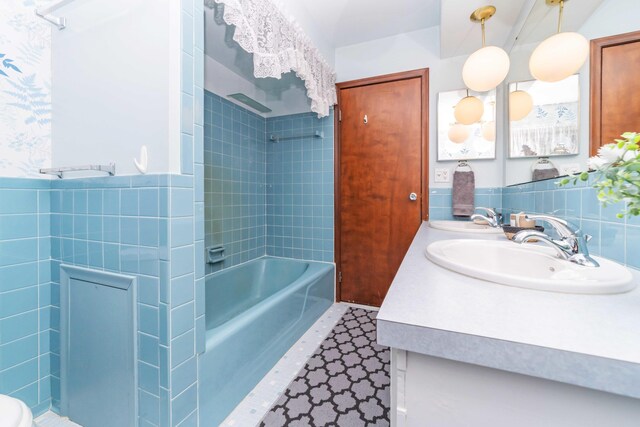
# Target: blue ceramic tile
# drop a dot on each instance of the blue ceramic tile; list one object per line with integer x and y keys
{"x": 632, "y": 242}
{"x": 19, "y": 351}
{"x": 19, "y": 326}
{"x": 182, "y": 290}
{"x": 182, "y": 319}
{"x": 149, "y": 407}
{"x": 612, "y": 243}
{"x": 184, "y": 376}
{"x": 148, "y": 349}
{"x": 149, "y": 202}
{"x": 148, "y": 378}
{"x": 182, "y": 348}
{"x": 18, "y": 276}
{"x": 148, "y": 319}
{"x": 129, "y": 202}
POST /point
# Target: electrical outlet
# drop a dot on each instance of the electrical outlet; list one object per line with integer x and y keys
{"x": 569, "y": 169}
{"x": 443, "y": 175}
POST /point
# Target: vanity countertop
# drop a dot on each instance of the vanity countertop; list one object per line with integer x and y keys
{"x": 587, "y": 340}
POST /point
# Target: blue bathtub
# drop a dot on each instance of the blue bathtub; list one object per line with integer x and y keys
{"x": 254, "y": 313}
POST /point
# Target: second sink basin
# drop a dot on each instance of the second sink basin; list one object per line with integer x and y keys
{"x": 465, "y": 227}
{"x": 528, "y": 266}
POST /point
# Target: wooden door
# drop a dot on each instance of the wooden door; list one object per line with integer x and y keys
{"x": 382, "y": 139}
{"x": 615, "y": 107}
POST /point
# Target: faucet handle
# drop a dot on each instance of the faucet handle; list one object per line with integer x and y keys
{"x": 587, "y": 237}
{"x": 563, "y": 227}
{"x": 489, "y": 211}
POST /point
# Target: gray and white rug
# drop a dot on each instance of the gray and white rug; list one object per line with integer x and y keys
{"x": 345, "y": 383}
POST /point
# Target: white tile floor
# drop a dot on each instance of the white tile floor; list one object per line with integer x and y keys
{"x": 49, "y": 419}
{"x": 253, "y": 408}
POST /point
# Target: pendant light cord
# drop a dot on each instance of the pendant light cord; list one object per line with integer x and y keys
{"x": 483, "y": 38}
{"x": 560, "y": 17}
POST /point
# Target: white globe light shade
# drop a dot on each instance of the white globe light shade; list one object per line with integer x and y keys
{"x": 558, "y": 57}
{"x": 485, "y": 68}
{"x": 520, "y": 105}
{"x": 489, "y": 131}
{"x": 468, "y": 110}
{"x": 458, "y": 133}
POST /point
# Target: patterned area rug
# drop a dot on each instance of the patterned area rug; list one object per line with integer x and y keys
{"x": 345, "y": 383}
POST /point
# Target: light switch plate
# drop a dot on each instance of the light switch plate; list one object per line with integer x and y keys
{"x": 443, "y": 175}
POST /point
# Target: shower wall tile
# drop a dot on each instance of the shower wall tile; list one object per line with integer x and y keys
{"x": 25, "y": 291}
{"x": 300, "y": 187}
{"x": 234, "y": 181}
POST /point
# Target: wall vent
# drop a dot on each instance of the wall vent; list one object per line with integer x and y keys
{"x": 241, "y": 97}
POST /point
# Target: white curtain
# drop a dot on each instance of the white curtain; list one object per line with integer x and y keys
{"x": 279, "y": 46}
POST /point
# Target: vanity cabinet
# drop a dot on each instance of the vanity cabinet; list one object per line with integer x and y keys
{"x": 615, "y": 103}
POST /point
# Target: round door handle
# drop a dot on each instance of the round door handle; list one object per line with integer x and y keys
{"x": 413, "y": 197}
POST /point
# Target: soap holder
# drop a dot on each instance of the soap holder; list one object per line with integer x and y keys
{"x": 215, "y": 254}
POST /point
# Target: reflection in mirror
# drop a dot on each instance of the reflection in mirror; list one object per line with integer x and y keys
{"x": 466, "y": 125}
{"x": 544, "y": 118}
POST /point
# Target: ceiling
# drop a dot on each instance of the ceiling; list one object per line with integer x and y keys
{"x": 346, "y": 22}
{"x": 337, "y": 23}
{"x": 515, "y": 22}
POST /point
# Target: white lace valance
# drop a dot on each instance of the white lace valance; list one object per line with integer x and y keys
{"x": 278, "y": 46}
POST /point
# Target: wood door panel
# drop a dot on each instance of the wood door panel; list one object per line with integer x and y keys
{"x": 614, "y": 108}
{"x": 380, "y": 165}
{"x": 620, "y": 106}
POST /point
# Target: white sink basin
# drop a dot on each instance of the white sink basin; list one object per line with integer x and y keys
{"x": 465, "y": 227}
{"x": 528, "y": 266}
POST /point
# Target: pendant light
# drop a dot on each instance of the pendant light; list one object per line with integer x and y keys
{"x": 560, "y": 55}
{"x": 520, "y": 104}
{"x": 468, "y": 110}
{"x": 458, "y": 133}
{"x": 488, "y": 66}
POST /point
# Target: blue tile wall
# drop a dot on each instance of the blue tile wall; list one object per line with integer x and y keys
{"x": 120, "y": 224}
{"x": 440, "y": 201}
{"x": 182, "y": 300}
{"x": 234, "y": 178}
{"x": 26, "y": 315}
{"x": 300, "y": 187}
{"x": 613, "y": 238}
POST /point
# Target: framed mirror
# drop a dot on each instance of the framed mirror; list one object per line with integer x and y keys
{"x": 544, "y": 118}
{"x": 466, "y": 125}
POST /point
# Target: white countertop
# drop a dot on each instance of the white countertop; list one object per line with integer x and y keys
{"x": 587, "y": 340}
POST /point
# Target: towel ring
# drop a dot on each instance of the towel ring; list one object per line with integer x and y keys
{"x": 464, "y": 165}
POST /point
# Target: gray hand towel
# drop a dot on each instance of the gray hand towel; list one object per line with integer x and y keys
{"x": 464, "y": 185}
{"x": 539, "y": 174}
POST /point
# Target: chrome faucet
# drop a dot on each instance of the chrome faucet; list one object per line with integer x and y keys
{"x": 492, "y": 217}
{"x": 571, "y": 246}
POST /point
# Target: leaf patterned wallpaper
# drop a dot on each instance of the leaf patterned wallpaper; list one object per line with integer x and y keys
{"x": 25, "y": 89}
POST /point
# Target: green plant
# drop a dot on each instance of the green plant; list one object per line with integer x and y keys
{"x": 617, "y": 168}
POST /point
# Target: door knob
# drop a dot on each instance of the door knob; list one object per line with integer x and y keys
{"x": 413, "y": 197}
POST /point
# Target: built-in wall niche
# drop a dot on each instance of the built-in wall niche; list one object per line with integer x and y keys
{"x": 466, "y": 125}
{"x": 544, "y": 118}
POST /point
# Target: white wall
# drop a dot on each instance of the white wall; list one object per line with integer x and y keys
{"x": 409, "y": 51}
{"x": 116, "y": 84}
{"x": 25, "y": 92}
{"x": 296, "y": 10}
